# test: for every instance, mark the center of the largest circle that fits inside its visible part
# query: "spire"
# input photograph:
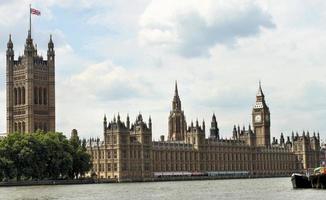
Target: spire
(150, 122)
(10, 48)
(29, 47)
(104, 122)
(128, 121)
(203, 125)
(10, 45)
(176, 103)
(214, 131)
(118, 117)
(50, 44)
(260, 91)
(176, 89)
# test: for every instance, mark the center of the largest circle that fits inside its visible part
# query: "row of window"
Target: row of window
(21, 126)
(222, 167)
(40, 96)
(219, 156)
(41, 126)
(109, 166)
(124, 167)
(114, 154)
(112, 139)
(19, 95)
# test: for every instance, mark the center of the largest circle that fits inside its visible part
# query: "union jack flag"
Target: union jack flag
(35, 12)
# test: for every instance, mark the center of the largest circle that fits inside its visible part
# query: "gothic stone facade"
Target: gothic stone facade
(30, 89)
(128, 153)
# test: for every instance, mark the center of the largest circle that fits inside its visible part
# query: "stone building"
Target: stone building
(128, 152)
(30, 88)
(125, 152)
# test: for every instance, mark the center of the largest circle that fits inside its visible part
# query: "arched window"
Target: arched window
(23, 95)
(40, 96)
(23, 127)
(19, 96)
(35, 96)
(15, 126)
(19, 127)
(45, 97)
(15, 96)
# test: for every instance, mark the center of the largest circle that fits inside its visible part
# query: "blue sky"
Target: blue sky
(120, 56)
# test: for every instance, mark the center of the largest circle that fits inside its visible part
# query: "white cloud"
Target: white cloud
(191, 28)
(105, 81)
(108, 71)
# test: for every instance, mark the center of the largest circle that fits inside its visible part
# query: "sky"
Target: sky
(122, 56)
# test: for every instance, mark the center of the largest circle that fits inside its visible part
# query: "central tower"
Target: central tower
(30, 89)
(177, 120)
(261, 120)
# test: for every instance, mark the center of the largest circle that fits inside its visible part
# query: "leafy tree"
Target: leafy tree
(42, 155)
(81, 159)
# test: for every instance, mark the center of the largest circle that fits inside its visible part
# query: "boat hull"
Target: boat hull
(300, 181)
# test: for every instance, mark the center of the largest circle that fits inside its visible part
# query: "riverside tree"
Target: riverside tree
(39, 156)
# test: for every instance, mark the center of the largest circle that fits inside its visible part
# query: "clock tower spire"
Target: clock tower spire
(261, 119)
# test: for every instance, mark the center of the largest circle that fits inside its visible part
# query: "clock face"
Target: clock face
(258, 118)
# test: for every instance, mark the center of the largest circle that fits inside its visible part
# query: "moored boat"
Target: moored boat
(300, 181)
(318, 178)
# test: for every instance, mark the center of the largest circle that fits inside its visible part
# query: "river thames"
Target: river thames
(265, 188)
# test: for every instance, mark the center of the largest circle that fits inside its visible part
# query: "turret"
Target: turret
(292, 137)
(204, 127)
(74, 134)
(51, 53)
(10, 49)
(128, 121)
(239, 131)
(282, 139)
(177, 120)
(176, 103)
(214, 131)
(234, 132)
(29, 46)
(150, 122)
(105, 122)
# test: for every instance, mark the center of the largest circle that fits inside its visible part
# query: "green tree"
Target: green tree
(81, 159)
(42, 155)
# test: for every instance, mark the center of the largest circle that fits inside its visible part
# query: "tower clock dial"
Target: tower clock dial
(258, 118)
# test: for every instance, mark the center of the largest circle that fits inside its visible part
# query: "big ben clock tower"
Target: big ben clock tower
(261, 120)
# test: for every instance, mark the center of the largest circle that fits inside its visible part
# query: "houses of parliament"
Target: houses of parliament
(127, 151)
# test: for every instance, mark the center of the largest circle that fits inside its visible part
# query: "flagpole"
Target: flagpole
(30, 19)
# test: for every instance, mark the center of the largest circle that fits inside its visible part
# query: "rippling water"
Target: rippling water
(267, 188)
